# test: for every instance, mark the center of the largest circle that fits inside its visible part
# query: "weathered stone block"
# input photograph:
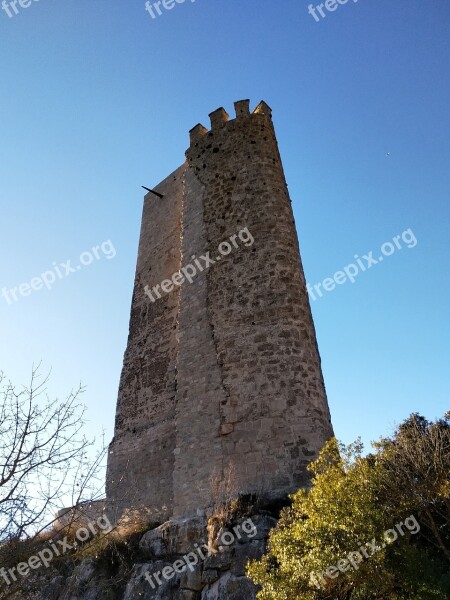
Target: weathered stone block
(140, 587)
(87, 582)
(53, 589)
(192, 579)
(210, 576)
(263, 524)
(174, 537)
(221, 560)
(187, 595)
(245, 552)
(230, 587)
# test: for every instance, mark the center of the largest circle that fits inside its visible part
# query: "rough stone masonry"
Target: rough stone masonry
(221, 383)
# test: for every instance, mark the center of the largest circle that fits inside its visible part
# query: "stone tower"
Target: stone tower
(222, 382)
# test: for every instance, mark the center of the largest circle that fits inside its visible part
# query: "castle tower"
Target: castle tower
(222, 383)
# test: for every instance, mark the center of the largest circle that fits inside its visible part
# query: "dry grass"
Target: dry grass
(229, 504)
(114, 553)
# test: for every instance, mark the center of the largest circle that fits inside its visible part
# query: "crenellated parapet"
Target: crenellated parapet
(219, 119)
(197, 133)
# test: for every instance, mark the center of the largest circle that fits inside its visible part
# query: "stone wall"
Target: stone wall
(141, 455)
(222, 389)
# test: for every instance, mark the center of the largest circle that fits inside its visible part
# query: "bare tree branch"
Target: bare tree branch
(45, 460)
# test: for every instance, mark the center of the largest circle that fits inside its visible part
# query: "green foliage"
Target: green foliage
(353, 501)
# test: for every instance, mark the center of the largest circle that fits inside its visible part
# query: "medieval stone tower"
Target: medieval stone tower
(221, 383)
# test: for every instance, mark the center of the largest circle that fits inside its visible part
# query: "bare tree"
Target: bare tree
(45, 459)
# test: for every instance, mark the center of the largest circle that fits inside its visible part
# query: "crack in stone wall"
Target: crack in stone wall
(199, 449)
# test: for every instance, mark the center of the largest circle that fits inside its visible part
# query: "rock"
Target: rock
(84, 572)
(187, 595)
(53, 590)
(254, 528)
(87, 582)
(192, 580)
(188, 533)
(174, 537)
(245, 552)
(209, 576)
(152, 587)
(218, 573)
(230, 587)
(100, 592)
(217, 590)
(156, 543)
(222, 560)
(239, 588)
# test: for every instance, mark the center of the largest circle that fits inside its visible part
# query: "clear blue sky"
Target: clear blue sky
(97, 100)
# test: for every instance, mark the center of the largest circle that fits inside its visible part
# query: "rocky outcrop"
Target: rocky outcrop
(178, 560)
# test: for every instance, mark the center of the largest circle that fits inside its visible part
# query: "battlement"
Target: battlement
(219, 118)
